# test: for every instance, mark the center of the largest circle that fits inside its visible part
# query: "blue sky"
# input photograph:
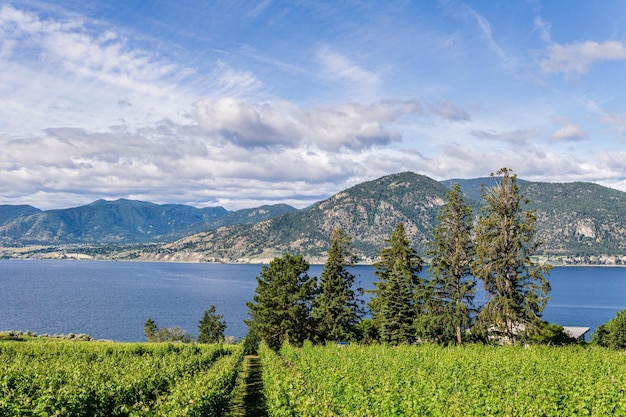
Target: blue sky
(244, 103)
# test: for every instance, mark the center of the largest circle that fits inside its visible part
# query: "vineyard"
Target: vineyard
(61, 378)
(58, 378)
(475, 380)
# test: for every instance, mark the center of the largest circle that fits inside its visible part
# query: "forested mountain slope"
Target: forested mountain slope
(120, 221)
(368, 212)
(580, 222)
(575, 220)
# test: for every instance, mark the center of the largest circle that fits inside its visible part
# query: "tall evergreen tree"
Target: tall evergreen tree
(516, 285)
(337, 309)
(211, 327)
(282, 302)
(453, 285)
(150, 329)
(397, 297)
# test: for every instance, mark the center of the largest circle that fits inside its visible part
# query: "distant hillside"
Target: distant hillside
(578, 223)
(582, 221)
(579, 219)
(368, 212)
(119, 222)
(9, 212)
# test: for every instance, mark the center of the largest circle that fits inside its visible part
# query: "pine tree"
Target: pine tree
(453, 286)
(150, 329)
(398, 294)
(337, 310)
(516, 285)
(282, 302)
(211, 327)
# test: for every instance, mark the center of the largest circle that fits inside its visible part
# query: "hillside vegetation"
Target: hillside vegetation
(119, 222)
(578, 223)
(367, 212)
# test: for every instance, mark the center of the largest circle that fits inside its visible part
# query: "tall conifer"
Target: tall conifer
(452, 251)
(211, 327)
(396, 298)
(337, 309)
(282, 302)
(517, 287)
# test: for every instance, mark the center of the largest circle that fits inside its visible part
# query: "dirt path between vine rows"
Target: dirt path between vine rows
(250, 401)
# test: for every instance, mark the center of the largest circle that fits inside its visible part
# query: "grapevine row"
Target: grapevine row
(108, 379)
(473, 380)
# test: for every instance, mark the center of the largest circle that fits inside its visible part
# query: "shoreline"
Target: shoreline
(55, 256)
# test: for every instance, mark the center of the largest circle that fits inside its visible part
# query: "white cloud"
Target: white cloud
(543, 28)
(485, 29)
(280, 123)
(569, 132)
(337, 67)
(516, 137)
(247, 124)
(452, 112)
(185, 164)
(577, 57)
(58, 71)
(70, 71)
(617, 120)
(231, 82)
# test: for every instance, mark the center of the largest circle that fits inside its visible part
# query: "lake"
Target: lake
(112, 300)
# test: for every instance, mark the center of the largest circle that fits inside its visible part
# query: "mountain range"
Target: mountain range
(578, 223)
(119, 222)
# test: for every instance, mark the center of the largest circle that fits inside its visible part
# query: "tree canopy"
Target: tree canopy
(282, 302)
(336, 308)
(612, 333)
(211, 327)
(516, 285)
(396, 298)
(452, 283)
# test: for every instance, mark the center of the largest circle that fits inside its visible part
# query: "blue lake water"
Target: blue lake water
(112, 300)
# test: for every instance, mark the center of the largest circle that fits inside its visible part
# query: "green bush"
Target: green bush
(551, 334)
(612, 333)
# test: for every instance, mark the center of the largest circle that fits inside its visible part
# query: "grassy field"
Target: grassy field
(473, 380)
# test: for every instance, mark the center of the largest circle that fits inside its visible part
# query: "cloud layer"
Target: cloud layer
(241, 105)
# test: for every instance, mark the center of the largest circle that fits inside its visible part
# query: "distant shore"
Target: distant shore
(43, 253)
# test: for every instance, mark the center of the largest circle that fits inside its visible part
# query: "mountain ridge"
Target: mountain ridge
(120, 221)
(578, 222)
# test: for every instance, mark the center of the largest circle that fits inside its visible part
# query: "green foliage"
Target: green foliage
(612, 333)
(366, 331)
(115, 379)
(149, 330)
(504, 242)
(282, 302)
(208, 394)
(211, 327)
(551, 334)
(165, 334)
(399, 293)
(452, 252)
(430, 380)
(251, 341)
(336, 308)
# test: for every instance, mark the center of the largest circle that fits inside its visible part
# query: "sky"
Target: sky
(244, 103)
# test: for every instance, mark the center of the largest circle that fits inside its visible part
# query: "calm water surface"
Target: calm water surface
(112, 300)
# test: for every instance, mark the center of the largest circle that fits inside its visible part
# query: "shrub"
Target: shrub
(612, 333)
(551, 334)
